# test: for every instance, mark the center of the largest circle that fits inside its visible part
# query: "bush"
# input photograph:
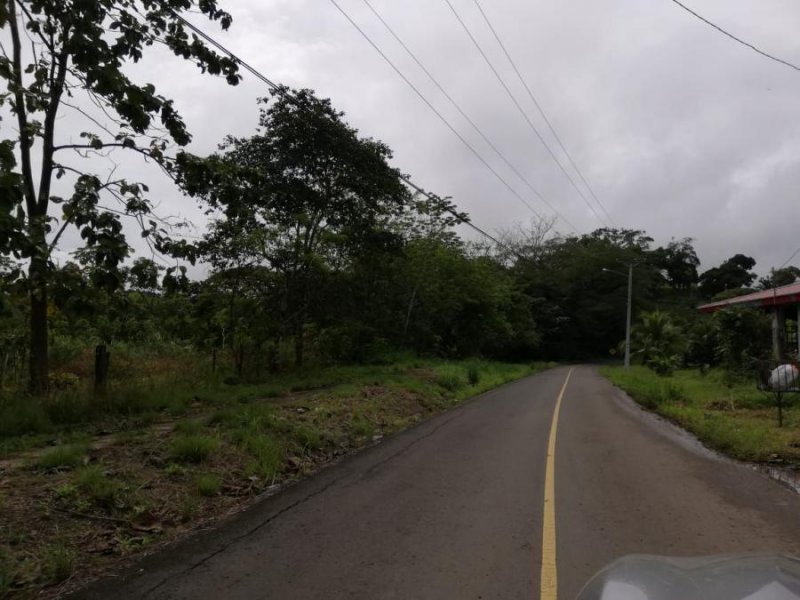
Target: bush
(267, 455)
(308, 436)
(207, 484)
(362, 427)
(192, 448)
(94, 483)
(24, 415)
(664, 365)
(450, 378)
(62, 456)
(744, 334)
(59, 563)
(473, 375)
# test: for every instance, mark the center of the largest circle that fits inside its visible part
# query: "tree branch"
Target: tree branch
(22, 115)
(56, 89)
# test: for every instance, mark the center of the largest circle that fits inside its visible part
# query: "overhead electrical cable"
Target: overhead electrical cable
(541, 111)
(522, 110)
(733, 37)
(790, 259)
(275, 87)
(491, 144)
(436, 112)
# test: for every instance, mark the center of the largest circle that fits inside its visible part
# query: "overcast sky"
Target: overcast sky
(680, 130)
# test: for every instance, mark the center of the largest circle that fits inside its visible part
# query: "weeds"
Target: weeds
(361, 427)
(207, 484)
(62, 456)
(192, 448)
(450, 378)
(730, 417)
(96, 485)
(59, 563)
(473, 375)
(266, 455)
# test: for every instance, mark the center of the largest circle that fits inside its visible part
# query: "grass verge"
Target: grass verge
(732, 417)
(85, 501)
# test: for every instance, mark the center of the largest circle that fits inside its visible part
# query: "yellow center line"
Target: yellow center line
(549, 577)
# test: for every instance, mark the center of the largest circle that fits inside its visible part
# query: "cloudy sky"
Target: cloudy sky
(679, 130)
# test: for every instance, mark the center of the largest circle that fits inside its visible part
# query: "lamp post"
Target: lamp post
(628, 316)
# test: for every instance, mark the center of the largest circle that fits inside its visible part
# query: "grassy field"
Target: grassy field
(732, 417)
(90, 487)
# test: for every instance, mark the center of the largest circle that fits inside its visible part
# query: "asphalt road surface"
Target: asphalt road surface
(459, 507)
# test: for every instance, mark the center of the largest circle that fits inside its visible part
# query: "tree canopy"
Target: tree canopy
(63, 55)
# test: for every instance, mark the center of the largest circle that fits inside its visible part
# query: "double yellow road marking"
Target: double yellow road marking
(549, 576)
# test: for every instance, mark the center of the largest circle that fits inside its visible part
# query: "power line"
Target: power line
(272, 85)
(275, 87)
(436, 112)
(466, 116)
(790, 259)
(460, 219)
(521, 110)
(733, 37)
(541, 111)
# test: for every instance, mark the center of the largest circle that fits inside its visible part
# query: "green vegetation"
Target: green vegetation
(729, 416)
(207, 484)
(59, 563)
(334, 305)
(157, 476)
(96, 485)
(192, 448)
(62, 456)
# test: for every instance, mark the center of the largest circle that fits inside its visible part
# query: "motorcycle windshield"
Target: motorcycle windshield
(640, 577)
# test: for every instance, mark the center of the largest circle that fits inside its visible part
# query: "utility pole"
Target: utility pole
(628, 315)
(628, 322)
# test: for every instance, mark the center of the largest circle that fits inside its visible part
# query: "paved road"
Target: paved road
(454, 508)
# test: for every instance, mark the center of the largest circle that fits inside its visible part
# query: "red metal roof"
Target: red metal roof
(787, 294)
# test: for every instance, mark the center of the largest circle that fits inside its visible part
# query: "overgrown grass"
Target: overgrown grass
(170, 474)
(59, 563)
(192, 448)
(96, 485)
(732, 417)
(71, 455)
(207, 484)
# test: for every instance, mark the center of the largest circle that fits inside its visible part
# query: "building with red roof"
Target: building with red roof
(783, 303)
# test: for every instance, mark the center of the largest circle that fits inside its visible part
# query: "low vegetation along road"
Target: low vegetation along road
(522, 493)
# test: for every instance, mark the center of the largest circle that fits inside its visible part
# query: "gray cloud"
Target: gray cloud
(681, 131)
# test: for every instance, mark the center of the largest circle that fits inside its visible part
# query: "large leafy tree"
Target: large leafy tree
(779, 277)
(732, 274)
(302, 198)
(70, 55)
(679, 263)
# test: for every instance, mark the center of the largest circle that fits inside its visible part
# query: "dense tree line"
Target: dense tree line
(315, 250)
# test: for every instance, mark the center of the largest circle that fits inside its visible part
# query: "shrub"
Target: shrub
(59, 562)
(473, 375)
(450, 379)
(93, 482)
(308, 436)
(362, 427)
(62, 456)
(267, 455)
(192, 448)
(207, 484)
(68, 407)
(664, 365)
(24, 415)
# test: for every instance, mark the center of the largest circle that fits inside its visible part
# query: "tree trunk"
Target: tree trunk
(38, 364)
(102, 361)
(299, 345)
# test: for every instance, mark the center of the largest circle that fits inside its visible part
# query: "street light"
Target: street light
(628, 321)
